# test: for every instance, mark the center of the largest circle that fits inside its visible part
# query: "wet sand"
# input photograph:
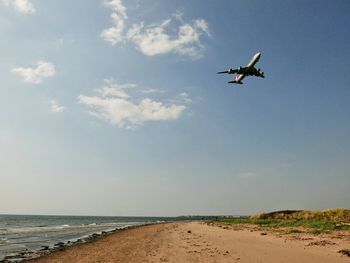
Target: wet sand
(202, 242)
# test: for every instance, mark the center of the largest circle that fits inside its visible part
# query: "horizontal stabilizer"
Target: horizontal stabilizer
(235, 82)
(222, 72)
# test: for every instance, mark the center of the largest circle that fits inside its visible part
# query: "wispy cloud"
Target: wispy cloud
(114, 34)
(156, 39)
(112, 89)
(178, 15)
(61, 42)
(56, 107)
(185, 97)
(202, 25)
(152, 90)
(117, 107)
(21, 6)
(182, 98)
(35, 75)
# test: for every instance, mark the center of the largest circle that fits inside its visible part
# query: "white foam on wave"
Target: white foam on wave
(15, 230)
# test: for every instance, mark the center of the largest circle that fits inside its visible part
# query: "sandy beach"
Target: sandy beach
(202, 242)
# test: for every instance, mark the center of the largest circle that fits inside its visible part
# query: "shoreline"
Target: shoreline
(29, 255)
(202, 242)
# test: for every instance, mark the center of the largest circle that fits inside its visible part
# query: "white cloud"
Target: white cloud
(36, 74)
(21, 6)
(155, 39)
(117, 6)
(124, 112)
(114, 34)
(56, 107)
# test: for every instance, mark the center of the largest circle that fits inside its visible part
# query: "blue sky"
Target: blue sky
(115, 107)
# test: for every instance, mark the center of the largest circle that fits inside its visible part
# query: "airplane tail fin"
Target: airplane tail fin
(237, 80)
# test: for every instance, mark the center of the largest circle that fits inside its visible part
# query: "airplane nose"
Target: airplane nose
(258, 55)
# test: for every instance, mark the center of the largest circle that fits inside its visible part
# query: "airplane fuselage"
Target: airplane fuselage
(254, 60)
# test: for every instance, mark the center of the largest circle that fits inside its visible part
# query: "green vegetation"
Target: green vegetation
(291, 221)
(333, 215)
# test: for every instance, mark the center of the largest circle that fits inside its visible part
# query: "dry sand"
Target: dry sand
(201, 242)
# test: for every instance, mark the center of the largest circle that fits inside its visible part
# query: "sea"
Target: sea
(30, 233)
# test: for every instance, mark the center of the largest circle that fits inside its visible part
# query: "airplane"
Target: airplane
(248, 70)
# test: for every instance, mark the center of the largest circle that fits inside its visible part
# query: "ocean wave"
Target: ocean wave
(3, 231)
(66, 227)
(3, 240)
(35, 229)
(20, 233)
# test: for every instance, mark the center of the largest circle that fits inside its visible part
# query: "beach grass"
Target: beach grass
(296, 221)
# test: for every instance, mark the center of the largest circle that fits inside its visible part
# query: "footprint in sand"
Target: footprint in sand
(163, 259)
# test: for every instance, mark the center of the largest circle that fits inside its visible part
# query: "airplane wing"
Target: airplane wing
(240, 70)
(238, 79)
(257, 72)
(230, 71)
